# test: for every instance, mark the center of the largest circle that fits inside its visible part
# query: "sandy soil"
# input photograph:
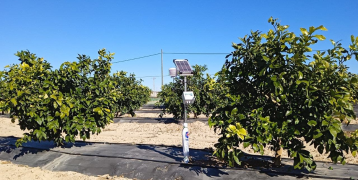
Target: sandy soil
(201, 136)
(21, 172)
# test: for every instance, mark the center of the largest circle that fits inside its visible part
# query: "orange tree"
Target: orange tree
(171, 94)
(3, 94)
(78, 99)
(134, 94)
(277, 98)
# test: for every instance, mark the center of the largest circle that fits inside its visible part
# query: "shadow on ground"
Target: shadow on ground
(7, 144)
(202, 162)
(151, 161)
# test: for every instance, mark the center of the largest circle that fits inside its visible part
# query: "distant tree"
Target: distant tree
(171, 94)
(133, 93)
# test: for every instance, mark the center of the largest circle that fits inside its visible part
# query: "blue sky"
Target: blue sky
(59, 30)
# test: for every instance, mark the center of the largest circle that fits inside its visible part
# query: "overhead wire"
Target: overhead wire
(189, 53)
(151, 76)
(199, 53)
(137, 58)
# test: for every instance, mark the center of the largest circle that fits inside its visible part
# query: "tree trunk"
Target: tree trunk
(2, 113)
(279, 149)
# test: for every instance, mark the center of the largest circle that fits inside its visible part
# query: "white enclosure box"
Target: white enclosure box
(173, 72)
(188, 97)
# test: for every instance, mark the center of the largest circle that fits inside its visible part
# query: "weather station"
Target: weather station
(183, 69)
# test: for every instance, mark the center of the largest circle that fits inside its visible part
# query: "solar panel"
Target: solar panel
(183, 67)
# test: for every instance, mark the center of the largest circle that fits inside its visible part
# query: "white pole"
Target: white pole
(153, 84)
(162, 65)
(185, 133)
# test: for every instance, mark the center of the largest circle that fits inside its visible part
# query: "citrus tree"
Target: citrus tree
(134, 94)
(281, 94)
(171, 94)
(3, 94)
(170, 98)
(78, 99)
(216, 91)
(353, 87)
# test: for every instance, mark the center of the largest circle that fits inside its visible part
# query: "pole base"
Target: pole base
(186, 160)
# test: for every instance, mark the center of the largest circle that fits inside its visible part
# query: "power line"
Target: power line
(188, 53)
(137, 58)
(151, 76)
(195, 53)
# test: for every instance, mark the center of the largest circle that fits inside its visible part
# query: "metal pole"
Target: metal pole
(162, 65)
(184, 103)
(153, 84)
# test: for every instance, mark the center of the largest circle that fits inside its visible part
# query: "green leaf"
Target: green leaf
(211, 123)
(55, 105)
(300, 75)
(261, 149)
(53, 96)
(311, 30)
(333, 131)
(246, 144)
(241, 117)
(333, 42)
(266, 58)
(255, 147)
(317, 135)
(237, 160)
(294, 154)
(312, 123)
(302, 81)
(234, 112)
(19, 93)
(304, 31)
(320, 37)
(289, 112)
(96, 109)
(62, 115)
(354, 153)
(241, 133)
(13, 101)
(232, 128)
(39, 120)
(354, 80)
(321, 27)
(67, 138)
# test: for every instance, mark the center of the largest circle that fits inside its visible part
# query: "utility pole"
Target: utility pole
(153, 84)
(162, 66)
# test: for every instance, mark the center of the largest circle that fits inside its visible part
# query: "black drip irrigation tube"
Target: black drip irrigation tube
(267, 171)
